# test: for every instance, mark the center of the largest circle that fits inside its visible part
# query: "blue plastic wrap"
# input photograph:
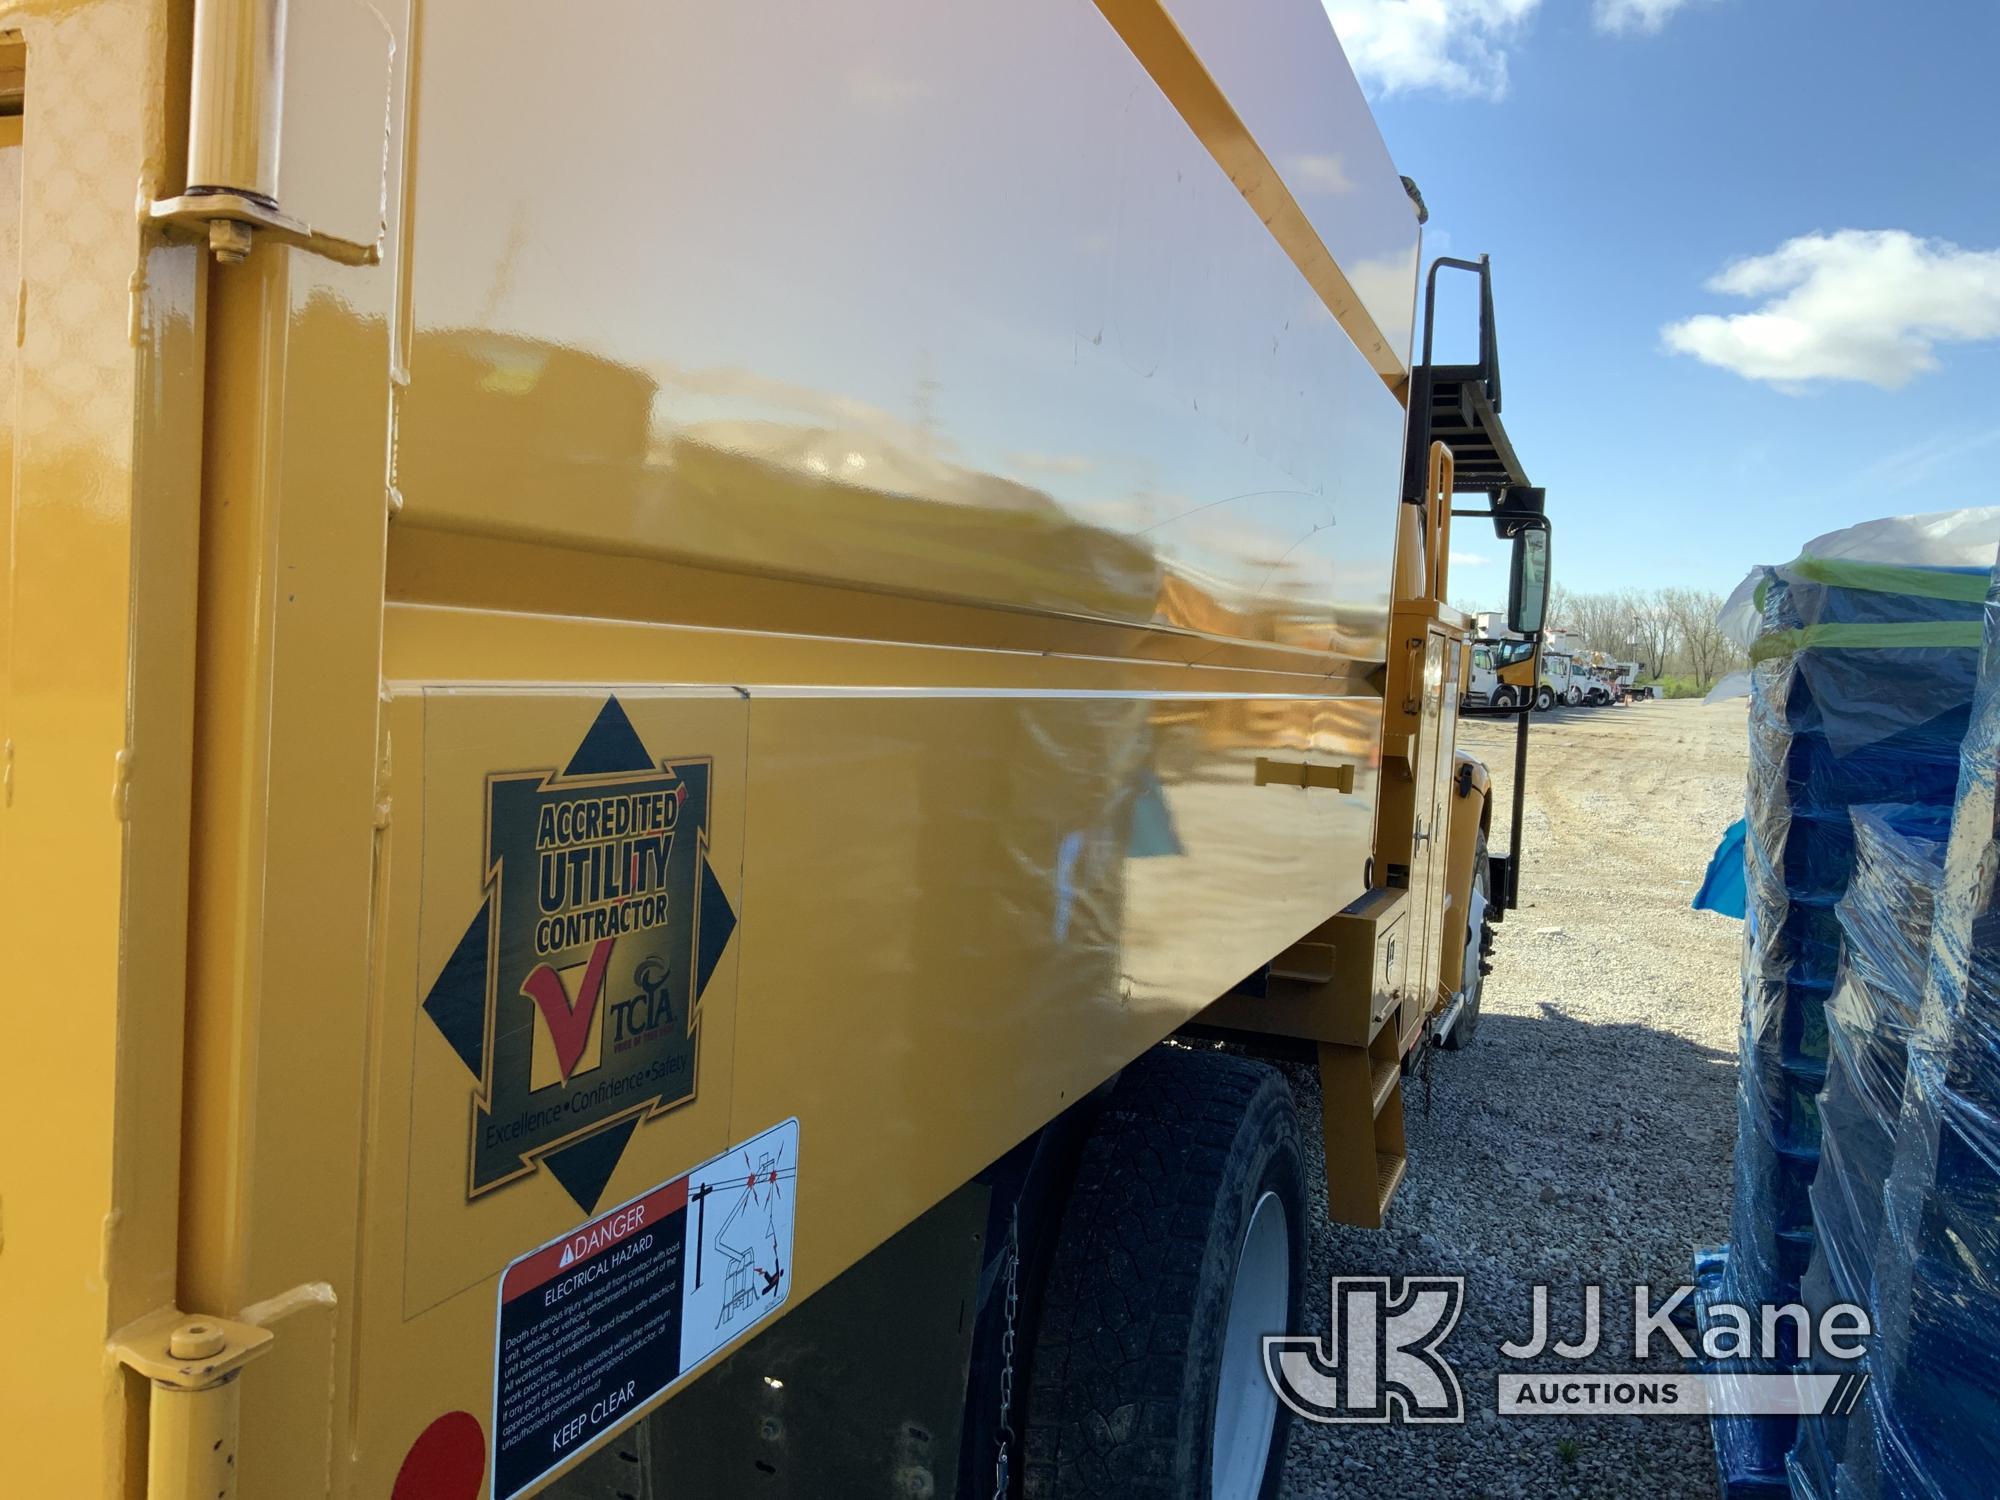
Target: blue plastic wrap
(1885, 921)
(1861, 688)
(1860, 696)
(1722, 888)
(1933, 1428)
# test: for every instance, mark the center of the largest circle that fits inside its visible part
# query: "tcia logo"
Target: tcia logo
(1380, 1362)
(576, 1025)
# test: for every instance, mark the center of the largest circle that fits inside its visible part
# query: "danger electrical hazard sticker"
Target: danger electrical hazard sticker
(595, 1324)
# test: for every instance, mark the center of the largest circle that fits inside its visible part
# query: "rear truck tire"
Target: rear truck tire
(1545, 699)
(1476, 946)
(1181, 1245)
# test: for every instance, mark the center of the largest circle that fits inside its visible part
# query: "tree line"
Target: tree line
(1671, 632)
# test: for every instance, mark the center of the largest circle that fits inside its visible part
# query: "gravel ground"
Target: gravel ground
(1585, 1136)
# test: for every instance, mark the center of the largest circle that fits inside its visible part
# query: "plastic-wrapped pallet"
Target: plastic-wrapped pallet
(1885, 924)
(1864, 655)
(1934, 1412)
(1861, 694)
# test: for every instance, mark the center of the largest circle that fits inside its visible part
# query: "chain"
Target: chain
(1001, 1465)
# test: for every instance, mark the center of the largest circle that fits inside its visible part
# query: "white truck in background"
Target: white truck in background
(1629, 673)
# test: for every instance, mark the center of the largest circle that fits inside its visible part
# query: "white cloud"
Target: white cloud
(1468, 559)
(1858, 304)
(1454, 46)
(1387, 287)
(1621, 17)
(1318, 173)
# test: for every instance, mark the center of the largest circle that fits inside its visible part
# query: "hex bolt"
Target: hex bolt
(229, 240)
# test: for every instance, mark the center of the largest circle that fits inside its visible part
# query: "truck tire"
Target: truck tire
(1461, 1033)
(1545, 699)
(1181, 1245)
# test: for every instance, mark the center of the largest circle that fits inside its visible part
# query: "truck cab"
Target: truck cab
(1503, 674)
(1558, 683)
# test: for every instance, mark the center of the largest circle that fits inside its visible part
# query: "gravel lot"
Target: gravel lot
(1585, 1136)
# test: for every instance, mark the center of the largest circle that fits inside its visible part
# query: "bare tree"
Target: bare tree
(1703, 650)
(1599, 621)
(1665, 630)
(1650, 630)
(1556, 613)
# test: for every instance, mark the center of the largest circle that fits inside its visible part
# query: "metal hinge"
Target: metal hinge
(192, 1363)
(229, 222)
(236, 118)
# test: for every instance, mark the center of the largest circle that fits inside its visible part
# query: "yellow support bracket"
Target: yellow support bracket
(1303, 774)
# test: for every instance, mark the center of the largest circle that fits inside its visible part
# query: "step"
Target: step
(1388, 1177)
(1382, 1083)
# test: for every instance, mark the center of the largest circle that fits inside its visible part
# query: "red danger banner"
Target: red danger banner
(593, 1239)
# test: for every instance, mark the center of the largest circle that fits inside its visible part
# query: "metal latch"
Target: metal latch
(192, 1363)
(1304, 773)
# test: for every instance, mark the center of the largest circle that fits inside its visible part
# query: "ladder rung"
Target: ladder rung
(1382, 1083)
(1388, 1177)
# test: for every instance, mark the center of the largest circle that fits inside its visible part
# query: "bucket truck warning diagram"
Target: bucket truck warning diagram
(592, 1326)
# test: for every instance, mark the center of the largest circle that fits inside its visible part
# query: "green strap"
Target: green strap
(1957, 635)
(1890, 578)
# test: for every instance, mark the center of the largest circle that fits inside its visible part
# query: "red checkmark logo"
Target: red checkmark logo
(569, 1021)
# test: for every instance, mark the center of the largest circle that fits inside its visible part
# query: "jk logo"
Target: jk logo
(1380, 1363)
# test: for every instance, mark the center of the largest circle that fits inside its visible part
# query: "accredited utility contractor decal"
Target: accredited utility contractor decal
(594, 1325)
(574, 995)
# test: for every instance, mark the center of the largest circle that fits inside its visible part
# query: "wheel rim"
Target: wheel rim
(1471, 981)
(1245, 1405)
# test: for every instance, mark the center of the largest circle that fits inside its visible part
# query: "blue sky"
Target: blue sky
(1617, 157)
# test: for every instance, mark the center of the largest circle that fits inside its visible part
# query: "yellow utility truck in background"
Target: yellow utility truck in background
(686, 689)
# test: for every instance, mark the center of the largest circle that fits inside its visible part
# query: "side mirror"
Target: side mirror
(1528, 585)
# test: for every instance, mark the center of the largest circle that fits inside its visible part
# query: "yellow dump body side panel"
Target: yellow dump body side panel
(856, 310)
(1070, 501)
(939, 490)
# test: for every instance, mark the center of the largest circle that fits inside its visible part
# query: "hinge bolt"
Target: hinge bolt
(196, 1341)
(229, 240)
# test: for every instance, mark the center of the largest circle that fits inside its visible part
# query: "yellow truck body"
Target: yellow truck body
(889, 513)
